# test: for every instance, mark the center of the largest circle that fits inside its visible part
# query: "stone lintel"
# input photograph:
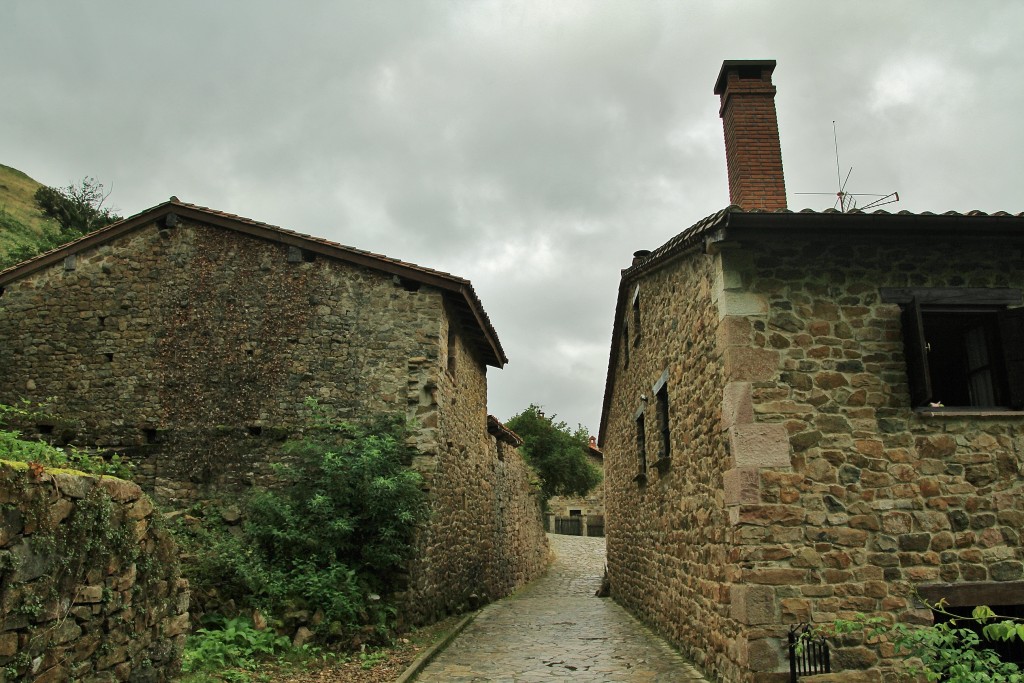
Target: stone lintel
(759, 445)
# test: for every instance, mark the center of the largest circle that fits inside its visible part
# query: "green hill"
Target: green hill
(21, 223)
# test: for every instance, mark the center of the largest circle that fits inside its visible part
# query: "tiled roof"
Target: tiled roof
(460, 290)
(498, 430)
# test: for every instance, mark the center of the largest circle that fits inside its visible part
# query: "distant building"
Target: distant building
(810, 415)
(580, 516)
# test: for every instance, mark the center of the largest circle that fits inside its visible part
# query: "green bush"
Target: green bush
(14, 447)
(946, 651)
(332, 537)
(231, 644)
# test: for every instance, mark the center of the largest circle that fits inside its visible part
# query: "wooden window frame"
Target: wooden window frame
(1007, 345)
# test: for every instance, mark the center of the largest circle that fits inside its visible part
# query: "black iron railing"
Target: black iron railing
(808, 655)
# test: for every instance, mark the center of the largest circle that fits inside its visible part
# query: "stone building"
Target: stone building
(583, 516)
(813, 414)
(190, 340)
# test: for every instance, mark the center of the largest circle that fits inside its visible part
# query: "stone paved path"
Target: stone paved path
(555, 628)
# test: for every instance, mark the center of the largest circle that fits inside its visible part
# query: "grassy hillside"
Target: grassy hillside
(21, 223)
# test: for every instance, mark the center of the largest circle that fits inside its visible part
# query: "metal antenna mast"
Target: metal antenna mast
(845, 201)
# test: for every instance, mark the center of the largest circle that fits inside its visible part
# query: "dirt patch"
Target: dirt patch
(381, 665)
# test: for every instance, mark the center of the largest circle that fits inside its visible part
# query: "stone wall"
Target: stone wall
(193, 349)
(856, 501)
(486, 535)
(89, 584)
(669, 537)
(803, 486)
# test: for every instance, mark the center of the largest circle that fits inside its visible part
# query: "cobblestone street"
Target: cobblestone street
(555, 628)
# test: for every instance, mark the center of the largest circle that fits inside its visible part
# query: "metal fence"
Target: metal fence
(807, 655)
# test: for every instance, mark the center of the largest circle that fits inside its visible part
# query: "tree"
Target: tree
(77, 208)
(558, 454)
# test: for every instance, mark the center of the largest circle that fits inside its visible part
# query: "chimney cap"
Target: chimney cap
(736, 64)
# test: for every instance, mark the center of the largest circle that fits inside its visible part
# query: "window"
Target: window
(660, 390)
(663, 429)
(964, 348)
(1006, 598)
(641, 448)
(1008, 651)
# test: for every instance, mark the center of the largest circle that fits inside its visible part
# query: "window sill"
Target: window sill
(952, 412)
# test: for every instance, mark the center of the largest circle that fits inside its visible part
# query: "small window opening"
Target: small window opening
(641, 446)
(406, 284)
(2, 290)
(44, 429)
(308, 256)
(109, 357)
(150, 434)
(575, 513)
(102, 319)
(665, 450)
(249, 352)
(1008, 651)
(255, 430)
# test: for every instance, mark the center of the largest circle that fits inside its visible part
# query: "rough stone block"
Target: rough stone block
(750, 364)
(764, 654)
(737, 406)
(742, 486)
(733, 330)
(759, 445)
(742, 303)
(753, 604)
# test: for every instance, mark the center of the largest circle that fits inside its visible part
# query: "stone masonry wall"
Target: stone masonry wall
(669, 553)
(89, 585)
(192, 350)
(486, 535)
(842, 498)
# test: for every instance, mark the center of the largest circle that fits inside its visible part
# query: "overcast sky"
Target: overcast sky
(529, 146)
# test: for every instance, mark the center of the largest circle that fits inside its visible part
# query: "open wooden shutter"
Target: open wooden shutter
(1011, 327)
(916, 350)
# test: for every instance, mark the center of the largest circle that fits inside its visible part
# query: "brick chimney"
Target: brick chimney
(752, 150)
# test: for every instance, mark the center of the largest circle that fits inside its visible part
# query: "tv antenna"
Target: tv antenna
(847, 201)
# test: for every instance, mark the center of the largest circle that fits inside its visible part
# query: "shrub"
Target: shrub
(946, 651)
(14, 447)
(334, 536)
